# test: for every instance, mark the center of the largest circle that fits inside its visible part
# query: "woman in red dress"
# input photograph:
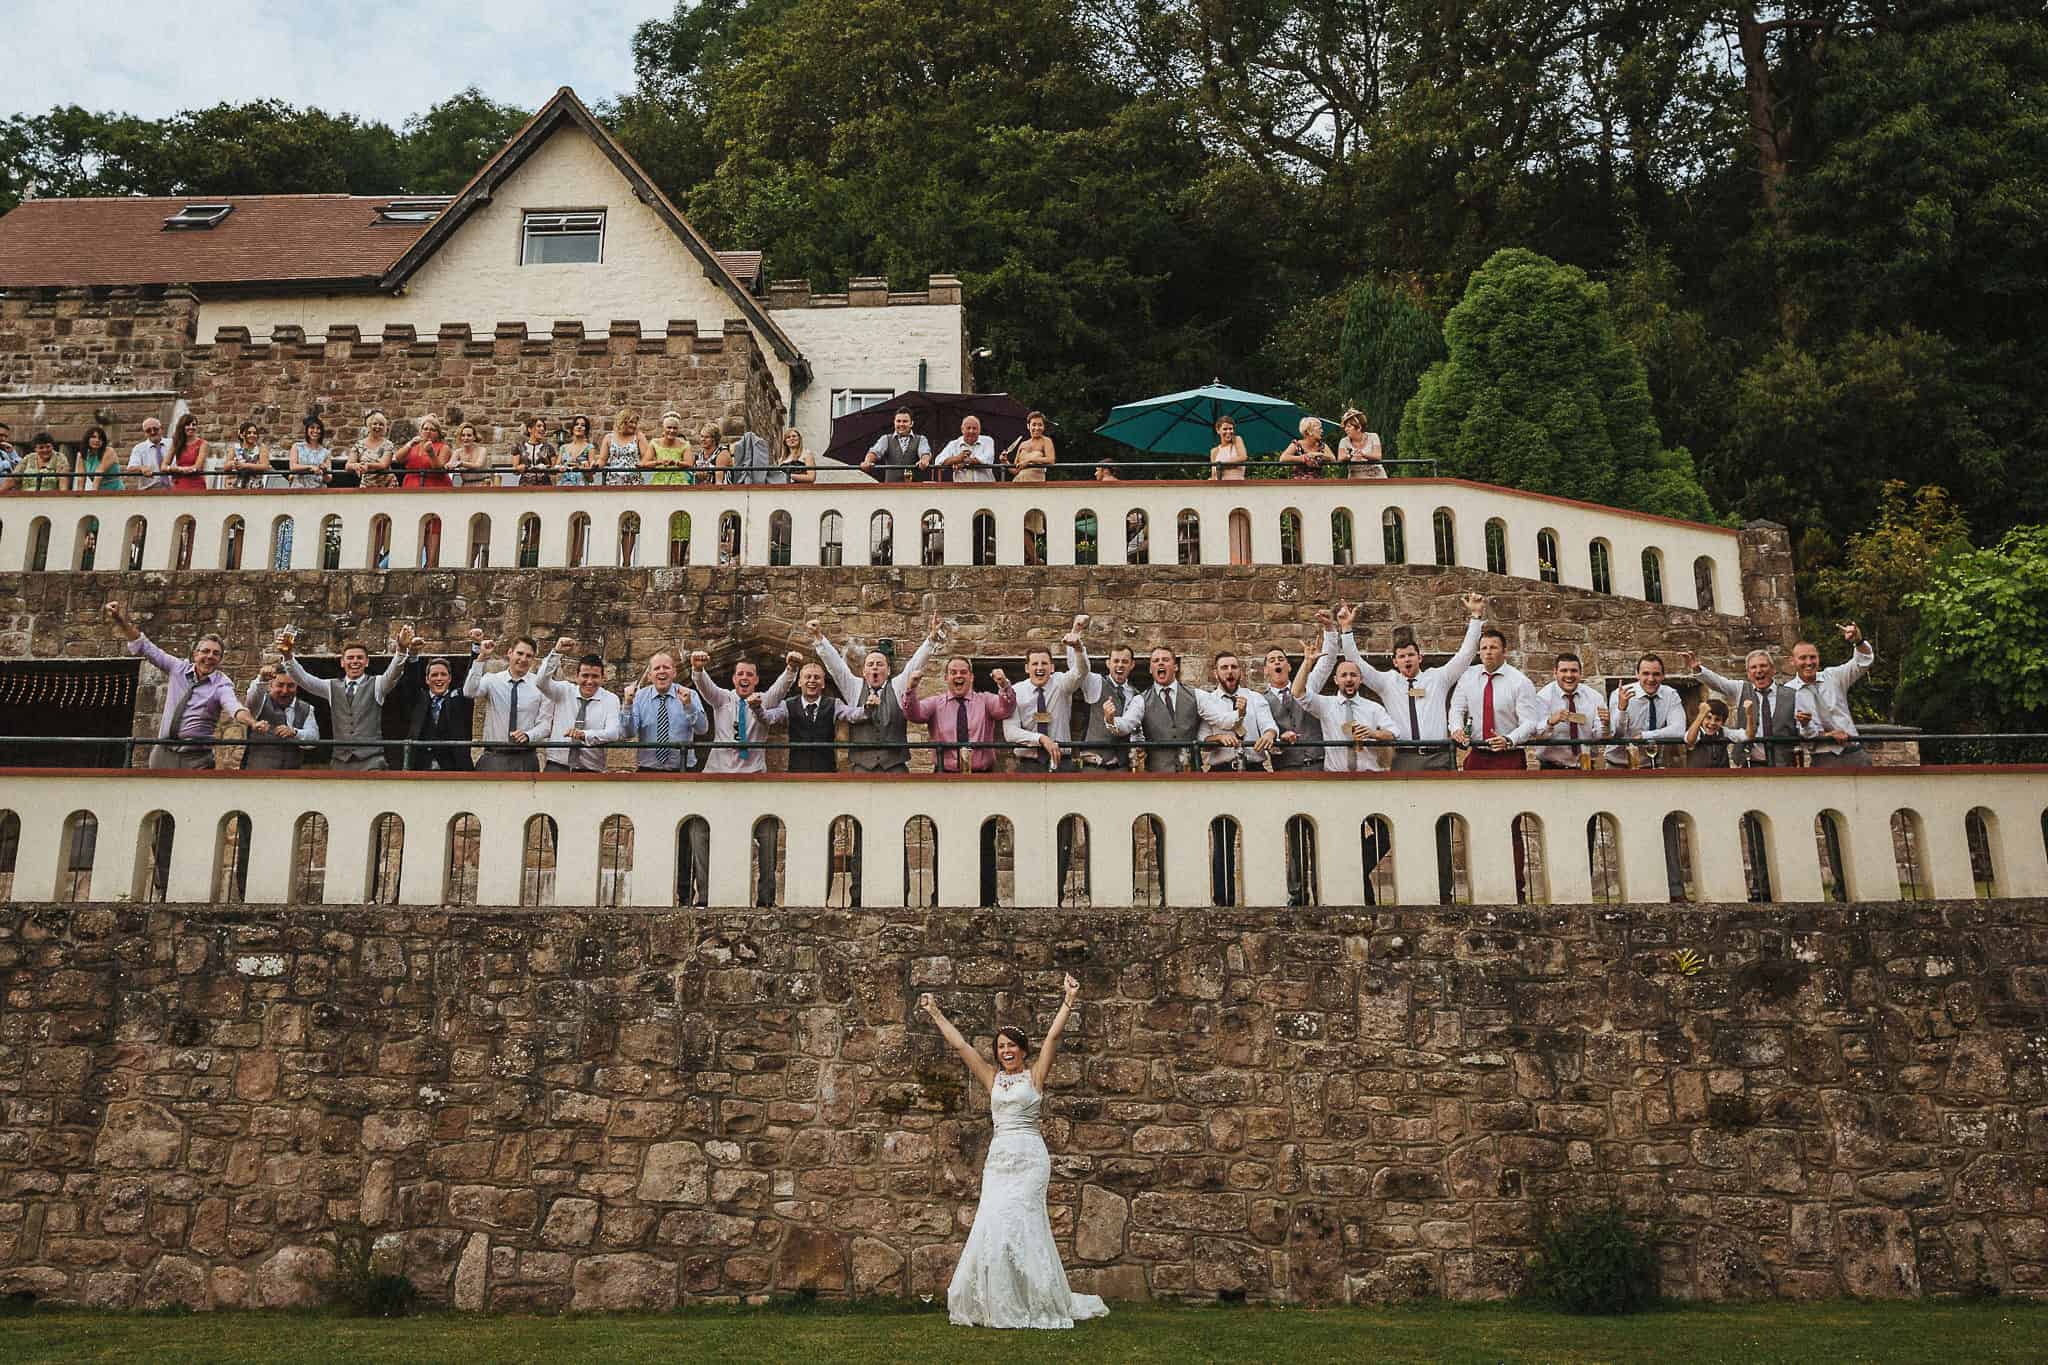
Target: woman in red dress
(425, 458)
(188, 456)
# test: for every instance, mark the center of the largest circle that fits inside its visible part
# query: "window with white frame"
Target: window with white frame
(569, 238)
(853, 400)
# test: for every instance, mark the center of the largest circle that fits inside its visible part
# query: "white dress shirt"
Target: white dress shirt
(724, 707)
(1826, 698)
(530, 715)
(601, 723)
(981, 462)
(1219, 716)
(1648, 718)
(146, 462)
(1514, 706)
(1584, 701)
(1215, 715)
(853, 689)
(1054, 701)
(323, 688)
(1339, 712)
(1435, 684)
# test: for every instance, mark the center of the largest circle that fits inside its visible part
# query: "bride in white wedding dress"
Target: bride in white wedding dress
(1009, 1273)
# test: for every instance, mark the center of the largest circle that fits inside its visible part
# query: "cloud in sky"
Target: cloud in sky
(376, 59)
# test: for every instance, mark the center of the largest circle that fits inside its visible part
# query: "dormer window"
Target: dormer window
(563, 238)
(424, 209)
(197, 216)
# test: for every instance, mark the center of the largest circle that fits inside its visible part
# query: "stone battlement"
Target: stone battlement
(864, 292)
(345, 341)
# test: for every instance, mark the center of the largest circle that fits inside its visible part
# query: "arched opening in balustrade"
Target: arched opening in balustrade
(579, 540)
(1375, 843)
(881, 538)
(1603, 858)
(1290, 536)
(1087, 546)
(1343, 548)
(85, 546)
(1980, 828)
(781, 534)
(309, 859)
(234, 535)
(1602, 556)
(330, 542)
(1226, 861)
(1304, 878)
(693, 861)
(10, 850)
(380, 542)
(1703, 582)
(80, 849)
(1187, 537)
(1532, 866)
(1909, 853)
(1756, 858)
(628, 546)
(155, 840)
(831, 540)
(1148, 861)
(920, 862)
(459, 886)
(231, 859)
(678, 540)
(998, 867)
(136, 539)
(537, 848)
(931, 549)
(1453, 860)
(1547, 560)
(1137, 537)
(527, 539)
(984, 527)
(842, 864)
(1034, 537)
(1827, 847)
(1071, 839)
(615, 861)
(430, 542)
(39, 544)
(1393, 536)
(732, 547)
(1679, 863)
(479, 553)
(1653, 575)
(184, 533)
(1444, 529)
(1496, 545)
(766, 866)
(387, 859)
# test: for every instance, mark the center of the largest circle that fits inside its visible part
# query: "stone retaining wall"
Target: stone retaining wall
(547, 1111)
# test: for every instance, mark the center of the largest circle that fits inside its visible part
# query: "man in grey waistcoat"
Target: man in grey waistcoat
(283, 723)
(1759, 704)
(1107, 697)
(355, 701)
(884, 722)
(1168, 712)
(899, 454)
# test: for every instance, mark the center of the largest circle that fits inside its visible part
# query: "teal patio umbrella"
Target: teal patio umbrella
(1184, 423)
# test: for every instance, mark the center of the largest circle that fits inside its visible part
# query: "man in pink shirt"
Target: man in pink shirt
(199, 693)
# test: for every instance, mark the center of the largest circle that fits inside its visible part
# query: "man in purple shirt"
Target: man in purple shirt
(962, 716)
(199, 693)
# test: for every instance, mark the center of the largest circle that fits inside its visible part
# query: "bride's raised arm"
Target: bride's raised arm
(976, 1063)
(1043, 1065)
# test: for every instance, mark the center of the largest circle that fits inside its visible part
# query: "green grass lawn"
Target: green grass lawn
(1812, 1334)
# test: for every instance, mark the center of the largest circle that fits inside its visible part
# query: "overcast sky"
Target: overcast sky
(382, 59)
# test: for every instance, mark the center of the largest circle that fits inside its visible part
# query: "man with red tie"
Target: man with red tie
(1494, 709)
(1572, 709)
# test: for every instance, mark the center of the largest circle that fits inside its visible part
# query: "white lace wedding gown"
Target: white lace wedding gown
(1009, 1273)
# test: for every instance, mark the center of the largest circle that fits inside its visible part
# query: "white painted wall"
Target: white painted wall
(872, 348)
(1786, 799)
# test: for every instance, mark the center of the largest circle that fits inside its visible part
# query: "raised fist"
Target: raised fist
(1000, 678)
(812, 628)
(565, 645)
(793, 660)
(699, 660)
(1475, 603)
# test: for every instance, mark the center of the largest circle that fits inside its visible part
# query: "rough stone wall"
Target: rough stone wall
(630, 1110)
(627, 614)
(492, 380)
(72, 357)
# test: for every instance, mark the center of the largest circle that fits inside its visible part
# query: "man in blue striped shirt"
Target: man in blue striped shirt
(659, 712)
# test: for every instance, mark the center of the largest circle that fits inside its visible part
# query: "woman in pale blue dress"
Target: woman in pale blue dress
(1009, 1273)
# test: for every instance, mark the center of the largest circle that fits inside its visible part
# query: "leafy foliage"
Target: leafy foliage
(1390, 340)
(357, 1282)
(1978, 655)
(1592, 1261)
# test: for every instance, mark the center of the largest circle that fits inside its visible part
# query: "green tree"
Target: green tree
(442, 148)
(1299, 359)
(1977, 657)
(1389, 342)
(1539, 391)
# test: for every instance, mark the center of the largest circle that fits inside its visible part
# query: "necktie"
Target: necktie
(661, 717)
(739, 727)
(1571, 704)
(1652, 699)
(582, 714)
(512, 720)
(349, 688)
(1414, 721)
(174, 730)
(1038, 709)
(434, 713)
(811, 713)
(1350, 714)
(964, 761)
(1486, 708)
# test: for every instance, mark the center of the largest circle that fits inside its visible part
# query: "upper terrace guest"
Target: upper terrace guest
(1307, 457)
(10, 460)
(1228, 456)
(198, 696)
(283, 723)
(1822, 706)
(623, 445)
(369, 460)
(516, 712)
(147, 460)
(668, 458)
(96, 466)
(355, 701)
(578, 455)
(793, 461)
(709, 458)
(1033, 455)
(187, 461)
(469, 463)
(248, 460)
(44, 469)
(1105, 471)
(897, 456)
(969, 457)
(535, 456)
(1358, 452)
(425, 457)
(746, 458)
(310, 458)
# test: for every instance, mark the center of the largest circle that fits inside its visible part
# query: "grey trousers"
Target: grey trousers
(1857, 757)
(164, 756)
(508, 761)
(361, 763)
